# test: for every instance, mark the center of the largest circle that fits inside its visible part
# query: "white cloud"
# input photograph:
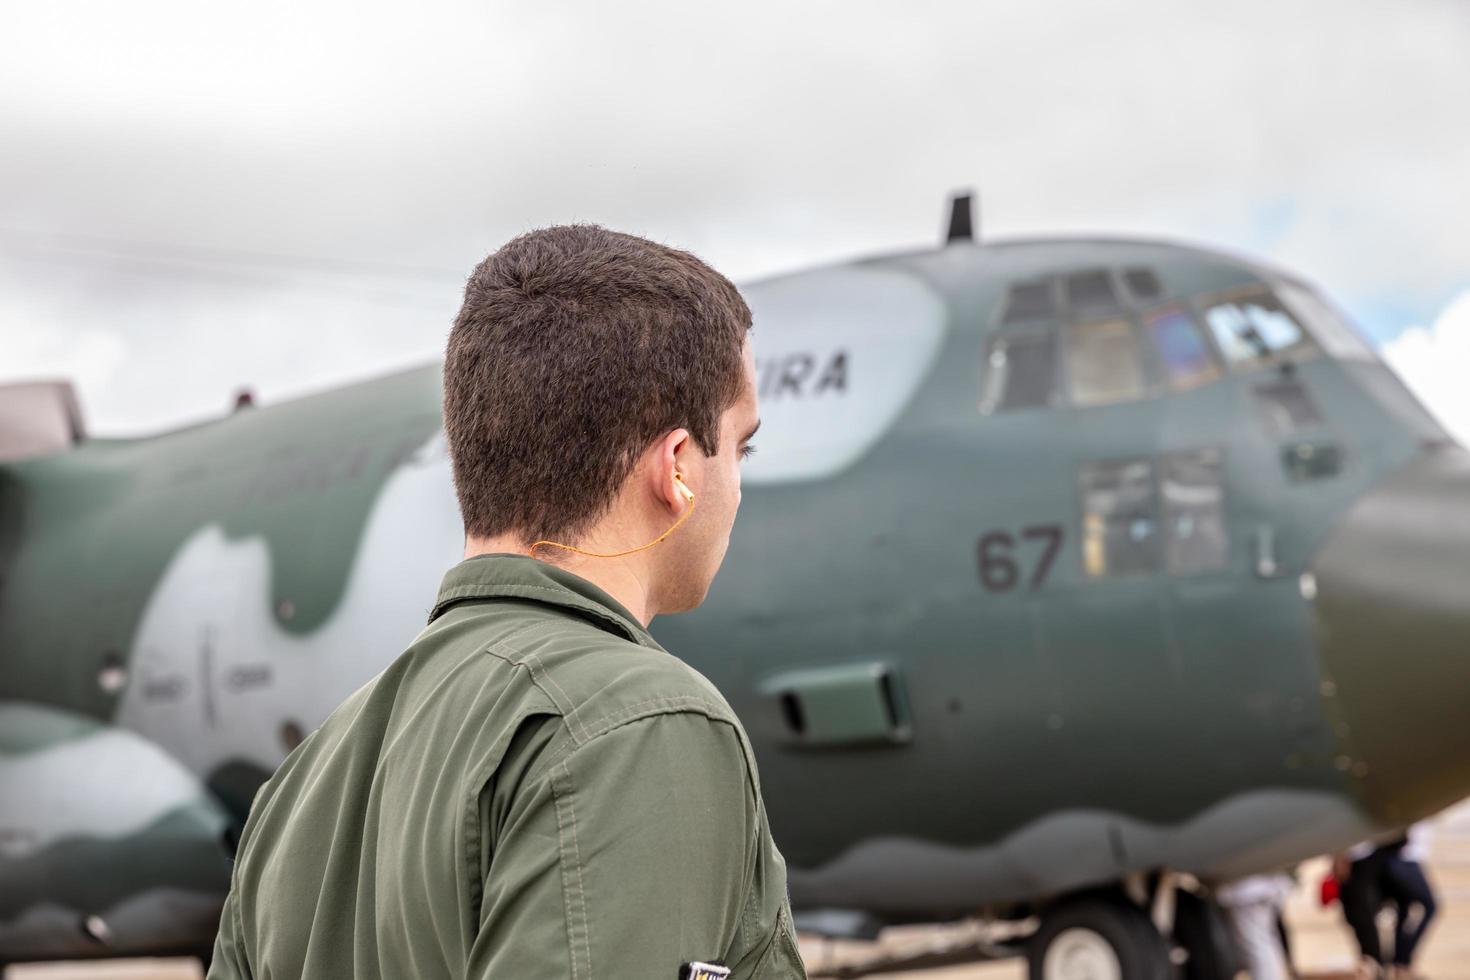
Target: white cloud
(1435, 362)
(193, 341)
(765, 136)
(89, 357)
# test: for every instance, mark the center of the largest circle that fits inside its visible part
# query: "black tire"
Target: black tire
(1137, 947)
(1199, 927)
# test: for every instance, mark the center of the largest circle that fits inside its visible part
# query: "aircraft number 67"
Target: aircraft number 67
(1001, 568)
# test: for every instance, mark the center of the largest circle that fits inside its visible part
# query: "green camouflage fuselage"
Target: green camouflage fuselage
(986, 654)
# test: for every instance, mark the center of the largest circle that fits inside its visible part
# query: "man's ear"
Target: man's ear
(672, 454)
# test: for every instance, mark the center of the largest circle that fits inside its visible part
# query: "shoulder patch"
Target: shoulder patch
(703, 971)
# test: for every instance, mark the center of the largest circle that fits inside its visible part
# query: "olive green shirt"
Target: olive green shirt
(534, 789)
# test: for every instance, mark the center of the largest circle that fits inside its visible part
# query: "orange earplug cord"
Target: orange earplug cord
(688, 495)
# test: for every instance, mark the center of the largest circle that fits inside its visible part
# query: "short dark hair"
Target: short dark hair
(575, 348)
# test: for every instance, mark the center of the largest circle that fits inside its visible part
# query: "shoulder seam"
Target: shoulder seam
(571, 711)
(650, 708)
(502, 648)
(540, 676)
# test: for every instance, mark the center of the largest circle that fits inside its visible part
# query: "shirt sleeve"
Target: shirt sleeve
(635, 854)
(228, 961)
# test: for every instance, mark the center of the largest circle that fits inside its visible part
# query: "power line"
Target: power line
(97, 248)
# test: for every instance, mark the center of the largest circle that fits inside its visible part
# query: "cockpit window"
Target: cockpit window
(1090, 293)
(1331, 329)
(1253, 328)
(1143, 284)
(1182, 349)
(1093, 323)
(1103, 363)
(1020, 371)
(1028, 301)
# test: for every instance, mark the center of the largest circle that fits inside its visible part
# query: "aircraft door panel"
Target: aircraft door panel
(1245, 675)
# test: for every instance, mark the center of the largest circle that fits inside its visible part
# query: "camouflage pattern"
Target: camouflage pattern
(135, 837)
(939, 725)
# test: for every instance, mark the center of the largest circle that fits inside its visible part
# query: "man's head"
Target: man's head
(585, 368)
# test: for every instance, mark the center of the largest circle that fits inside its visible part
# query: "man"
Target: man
(536, 789)
(1374, 874)
(1253, 910)
(1408, 888)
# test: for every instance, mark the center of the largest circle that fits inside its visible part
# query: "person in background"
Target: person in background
(1360, 889)
(1392, 872)
(1404, 883)
(1253, 907)
(1282, 932)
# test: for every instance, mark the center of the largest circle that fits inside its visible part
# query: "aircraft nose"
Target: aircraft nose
(1393, 614)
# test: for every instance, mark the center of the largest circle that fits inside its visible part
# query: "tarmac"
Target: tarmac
(1322, 945)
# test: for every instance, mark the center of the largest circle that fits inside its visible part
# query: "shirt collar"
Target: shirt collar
(507, 576)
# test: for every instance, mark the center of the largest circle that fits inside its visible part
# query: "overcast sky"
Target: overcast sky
(199, 197)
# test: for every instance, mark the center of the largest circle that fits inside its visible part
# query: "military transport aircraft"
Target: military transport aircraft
(1073, 577)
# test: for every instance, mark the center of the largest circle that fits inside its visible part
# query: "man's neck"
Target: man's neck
(625, 579)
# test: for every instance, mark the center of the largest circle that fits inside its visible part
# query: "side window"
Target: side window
(1020, 371)
(1253, 328)
(1119, 517)
(1103, 363)
(1183, 351)
(1194, 512)
(1312, 461)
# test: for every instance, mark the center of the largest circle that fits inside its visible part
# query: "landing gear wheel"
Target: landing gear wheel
(1199, 927)
(1097, 939)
